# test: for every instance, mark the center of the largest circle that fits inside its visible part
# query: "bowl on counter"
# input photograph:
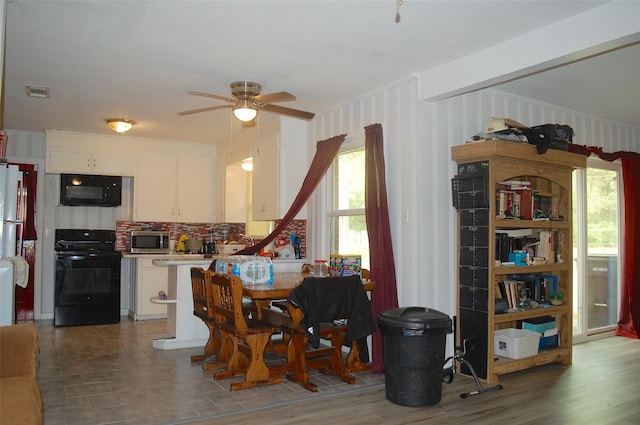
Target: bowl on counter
(192, 246)
(230, 248)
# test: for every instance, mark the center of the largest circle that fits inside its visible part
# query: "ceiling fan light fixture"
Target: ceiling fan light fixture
(120, 125)
(244, 111)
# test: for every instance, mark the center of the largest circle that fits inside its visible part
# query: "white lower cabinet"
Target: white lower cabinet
(149, 281)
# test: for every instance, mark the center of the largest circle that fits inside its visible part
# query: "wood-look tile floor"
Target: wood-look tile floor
(111, 374)
(601, 387)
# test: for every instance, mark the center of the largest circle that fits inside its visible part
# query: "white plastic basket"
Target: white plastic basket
(516, 343)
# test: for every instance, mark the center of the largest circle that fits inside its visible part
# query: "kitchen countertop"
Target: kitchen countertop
(279, 265)
(163, 256)
(185, 260)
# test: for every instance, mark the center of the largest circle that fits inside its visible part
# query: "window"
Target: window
(346, 215)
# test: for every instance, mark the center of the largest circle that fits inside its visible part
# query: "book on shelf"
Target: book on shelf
(551, 281)
(525, 203)
(541, 204)
(534, 286)
(514, 184)
(514, 202)
(515, 233)
(503, 246)
(548, 245)
(515, 292)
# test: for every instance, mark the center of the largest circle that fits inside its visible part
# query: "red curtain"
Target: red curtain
(383, 270)
(326, 150)
(629, 318)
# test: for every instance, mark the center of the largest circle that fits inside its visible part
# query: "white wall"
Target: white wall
(418, 137)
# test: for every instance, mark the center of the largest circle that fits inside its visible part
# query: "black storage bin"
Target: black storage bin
(414, 340)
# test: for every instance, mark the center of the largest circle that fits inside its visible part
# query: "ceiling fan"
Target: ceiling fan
(247, 101)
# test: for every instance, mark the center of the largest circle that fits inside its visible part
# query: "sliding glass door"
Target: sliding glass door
(597, 220)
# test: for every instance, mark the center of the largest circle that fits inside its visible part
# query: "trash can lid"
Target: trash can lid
(415, 318)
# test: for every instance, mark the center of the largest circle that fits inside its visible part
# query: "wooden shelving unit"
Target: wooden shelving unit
(490, 162)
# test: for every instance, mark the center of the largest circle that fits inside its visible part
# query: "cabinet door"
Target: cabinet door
(155, 187)
(265, 179)
(236, 196)
(195, 189)
(69, 162)
(113, 164)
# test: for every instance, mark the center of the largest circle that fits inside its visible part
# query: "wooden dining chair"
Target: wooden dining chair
(203, 309)
(323, 304)
(247, 338)
(354, 360)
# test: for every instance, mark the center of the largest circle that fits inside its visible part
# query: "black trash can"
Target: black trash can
(414, 340)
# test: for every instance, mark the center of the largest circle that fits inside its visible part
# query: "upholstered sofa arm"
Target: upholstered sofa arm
(18, 345)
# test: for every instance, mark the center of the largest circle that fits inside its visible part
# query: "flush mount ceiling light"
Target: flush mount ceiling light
(247, 164)
(244, 111)
(120, 125)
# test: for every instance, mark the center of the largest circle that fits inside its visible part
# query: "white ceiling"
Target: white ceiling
(137, 59)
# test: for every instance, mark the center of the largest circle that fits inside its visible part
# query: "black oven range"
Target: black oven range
(87, 280)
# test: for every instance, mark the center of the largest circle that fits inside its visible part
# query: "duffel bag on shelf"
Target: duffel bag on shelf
(554, 136)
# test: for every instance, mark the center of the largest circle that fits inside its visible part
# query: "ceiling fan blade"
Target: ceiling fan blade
(281, 96)
(288, 111)
(210, 108)
(213, 96)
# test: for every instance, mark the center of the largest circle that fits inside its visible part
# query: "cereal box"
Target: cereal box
(345, 265)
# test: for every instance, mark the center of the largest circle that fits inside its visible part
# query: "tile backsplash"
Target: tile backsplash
(207, 231)
(217, 232)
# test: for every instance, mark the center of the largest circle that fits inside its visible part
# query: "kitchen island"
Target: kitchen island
(187, 329)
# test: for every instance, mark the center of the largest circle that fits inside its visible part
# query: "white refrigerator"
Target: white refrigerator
(10, 234)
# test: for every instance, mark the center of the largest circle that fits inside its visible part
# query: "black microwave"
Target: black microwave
(93, 191)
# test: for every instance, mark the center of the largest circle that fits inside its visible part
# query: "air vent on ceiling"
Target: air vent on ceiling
(38, 91)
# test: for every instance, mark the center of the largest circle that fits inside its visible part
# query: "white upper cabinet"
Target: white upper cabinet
(280, 164)
(155, 186)
(88, 154)
(196, 188)
(175, 187)
(172, 181)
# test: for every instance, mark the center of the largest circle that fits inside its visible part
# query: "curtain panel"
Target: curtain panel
(383, 269)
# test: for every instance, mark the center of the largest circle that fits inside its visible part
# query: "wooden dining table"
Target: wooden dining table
(283, 283)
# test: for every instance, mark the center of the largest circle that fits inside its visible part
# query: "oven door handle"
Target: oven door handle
(73, 257)
(83, 257)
